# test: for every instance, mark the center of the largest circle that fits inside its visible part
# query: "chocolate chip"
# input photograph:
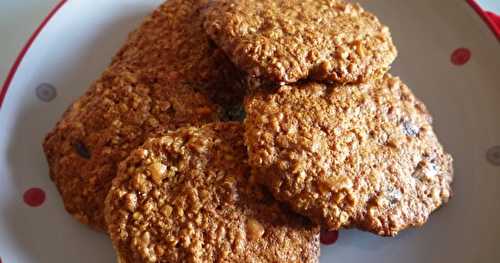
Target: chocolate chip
(82, 150)
(235, 113)
(211, 44)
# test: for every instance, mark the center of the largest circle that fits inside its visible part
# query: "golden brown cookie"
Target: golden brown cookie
(167, 75)
(188, 196)
(359, 156)
(290, 40)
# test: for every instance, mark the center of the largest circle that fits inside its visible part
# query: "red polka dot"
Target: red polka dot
(34, 197)
(460, 56)
(328, 237)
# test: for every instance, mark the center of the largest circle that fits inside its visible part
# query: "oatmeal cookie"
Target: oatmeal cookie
(188, 196)
(167, 75)
(361, 156)
(290, 40)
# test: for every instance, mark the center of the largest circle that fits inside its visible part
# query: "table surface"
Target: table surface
(18, 20)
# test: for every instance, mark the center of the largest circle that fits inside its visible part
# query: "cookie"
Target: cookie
(188, 196)
(361, 156)
(291, 40)
(168, 74)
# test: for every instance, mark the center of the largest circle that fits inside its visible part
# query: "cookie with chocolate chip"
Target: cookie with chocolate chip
(291, 40)
(167, 75)
(361, 156)
(188, 196)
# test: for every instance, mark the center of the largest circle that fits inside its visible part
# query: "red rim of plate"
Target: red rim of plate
(24, 50)
(490, 18)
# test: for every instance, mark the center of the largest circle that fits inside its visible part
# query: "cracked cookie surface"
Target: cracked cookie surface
(361, 156)
(291, 40)
(188, 196)
(167, 75)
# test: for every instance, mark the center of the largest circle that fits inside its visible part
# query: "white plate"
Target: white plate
(78, 42)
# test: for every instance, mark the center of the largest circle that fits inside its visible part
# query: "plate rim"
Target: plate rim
(35, 36)
(25, 48)
(489, 17)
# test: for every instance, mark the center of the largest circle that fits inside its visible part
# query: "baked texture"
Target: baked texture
(167, 75)
(347, 156)
(188, 196)
(291, 40)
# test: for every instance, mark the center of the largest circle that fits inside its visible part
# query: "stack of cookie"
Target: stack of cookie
(155, 152)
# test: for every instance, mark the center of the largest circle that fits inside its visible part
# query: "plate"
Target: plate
(447, 55)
